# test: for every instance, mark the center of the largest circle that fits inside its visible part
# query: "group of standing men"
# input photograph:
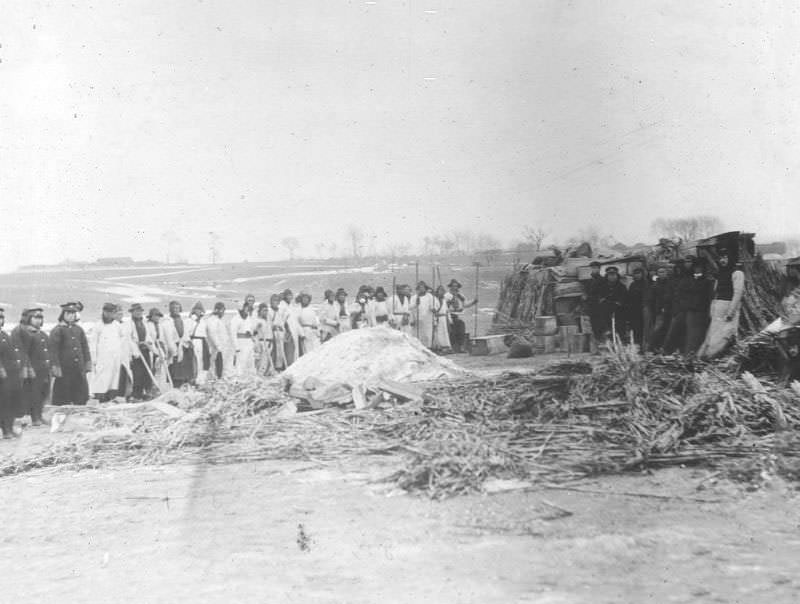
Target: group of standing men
(30, 360)
(432, 315)
(684, 311)
(126, 358)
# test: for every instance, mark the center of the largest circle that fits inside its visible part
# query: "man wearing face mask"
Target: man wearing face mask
(71, 358)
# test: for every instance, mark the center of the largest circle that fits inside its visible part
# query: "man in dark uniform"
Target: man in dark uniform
(143, 361)
(613, 301)
(698, 304)
(659, 300)
(71, 358)
(637, 293)
(679, 285)
(36, 347)
(183, 366)
(11, 365)
(591, 298)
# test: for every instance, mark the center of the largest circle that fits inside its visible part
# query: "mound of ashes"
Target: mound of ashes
(364, 356)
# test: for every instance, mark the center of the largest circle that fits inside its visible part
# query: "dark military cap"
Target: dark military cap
(136, 306)
(612, 269)
(154, 312)
(594, 263)
(453, 283)
(70, 307)
(109, 307)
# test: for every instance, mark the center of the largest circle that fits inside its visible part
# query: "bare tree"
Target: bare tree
(793, 246)
(291, 244)
(171, 240)
(427, 246)
(214, 244)
(355, 236)
(688, 228)
(320, 247)
(535, 236)
(484, 241)
(404, 249)
(333, 247)
(445, 244)
(463, 242)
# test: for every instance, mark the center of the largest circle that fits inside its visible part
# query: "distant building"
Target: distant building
(778, 247)
(115, 261)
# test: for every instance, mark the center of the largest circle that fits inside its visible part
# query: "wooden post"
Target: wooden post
(475, 312)
(416, 281)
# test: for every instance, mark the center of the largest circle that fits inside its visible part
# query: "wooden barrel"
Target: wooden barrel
(545, 326)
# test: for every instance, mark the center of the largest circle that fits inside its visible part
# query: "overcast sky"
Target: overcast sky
(264, 119)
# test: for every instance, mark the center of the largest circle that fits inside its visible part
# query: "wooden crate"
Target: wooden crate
(486, 345)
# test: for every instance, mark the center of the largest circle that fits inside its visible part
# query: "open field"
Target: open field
(229, 283)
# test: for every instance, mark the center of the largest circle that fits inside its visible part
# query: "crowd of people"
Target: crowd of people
(684, 310)
(123, 359)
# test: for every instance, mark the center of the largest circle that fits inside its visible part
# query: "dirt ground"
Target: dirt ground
(282, 531)
(290, 532)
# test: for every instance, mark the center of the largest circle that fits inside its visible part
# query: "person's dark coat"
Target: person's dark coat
(11, 376)
(71, 360)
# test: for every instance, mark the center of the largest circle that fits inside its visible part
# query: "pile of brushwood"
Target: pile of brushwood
(572, 420)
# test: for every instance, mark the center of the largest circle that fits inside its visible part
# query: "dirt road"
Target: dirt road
(291, 532)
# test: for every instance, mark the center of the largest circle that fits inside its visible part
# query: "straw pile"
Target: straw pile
(572, 420)
(523, 296)
(763, 292)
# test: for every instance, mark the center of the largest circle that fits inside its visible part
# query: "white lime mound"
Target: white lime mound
(364, 356)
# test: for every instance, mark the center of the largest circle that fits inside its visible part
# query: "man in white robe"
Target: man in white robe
(379, 310)
(401, 310)
(220, 346)
(422, 311)
(106, 349)
(196, 327)
(278, 312)
(328, 316)
(441, 337)
(308, 323)
(242, 327)
(264, 339)
(290, 308)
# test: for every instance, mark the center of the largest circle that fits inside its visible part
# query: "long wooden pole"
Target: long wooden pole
(416, 281)
(433, 306)
(475, 312)
(394, 293)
